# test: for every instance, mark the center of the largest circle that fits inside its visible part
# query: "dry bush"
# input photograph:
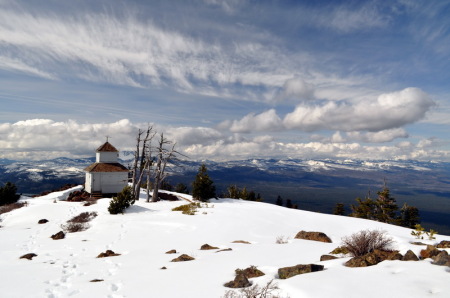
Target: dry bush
(11, 207)
(90, 201)
(255, 291)
(72, 227)
(83, 217)
(79, 223)
(282, 240)
(366, 241)
(189, 209)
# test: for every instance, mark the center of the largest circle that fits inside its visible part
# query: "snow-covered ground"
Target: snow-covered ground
(146, 231)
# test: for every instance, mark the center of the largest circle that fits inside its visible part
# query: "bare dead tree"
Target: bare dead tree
(163, 156)
(148, 167)
(140, 158)
(135, 163)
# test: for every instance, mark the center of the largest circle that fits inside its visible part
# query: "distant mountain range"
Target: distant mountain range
(315, 185)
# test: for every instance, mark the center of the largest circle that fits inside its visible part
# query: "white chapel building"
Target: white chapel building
(106, 175)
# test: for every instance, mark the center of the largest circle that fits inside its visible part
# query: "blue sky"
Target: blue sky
(227, 79)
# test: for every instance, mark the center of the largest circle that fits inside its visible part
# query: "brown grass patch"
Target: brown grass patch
(10, 207)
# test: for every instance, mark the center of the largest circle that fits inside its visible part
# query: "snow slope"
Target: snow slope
(64, 267)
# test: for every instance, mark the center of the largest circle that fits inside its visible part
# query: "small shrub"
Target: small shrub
(74, 227)
(11, 207)
(366, 241)
(189, 209)
(123, 200)
(431, 234)
(269, 290)
(79, 222)
(83, 217)
(282, 240)
(418, 232)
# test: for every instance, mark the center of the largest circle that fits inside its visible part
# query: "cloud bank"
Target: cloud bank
(386, 112)
(45, 139)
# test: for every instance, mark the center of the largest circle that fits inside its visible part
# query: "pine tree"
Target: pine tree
(181, 188)
(279, 201)
(233, 192)
(339, 209)
(387, 207)
(8, 194)
(366, 208)
(124, 199)
(288, 203)
(202, 187)
(409, 216)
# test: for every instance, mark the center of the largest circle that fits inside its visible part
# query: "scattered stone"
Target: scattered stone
(241, 241)
(410, 256)
(327, 258)
(58, 236)
(250, 272)
(207, 247)
(315, 236)
(429, 252)
(183, 258)
(287, 272)
(29, 256)
(442, 259)
(163, 268)
(240, 281)
(96, 280)
(42, 221)
(443, 244)
(78, 196)
(417, 243)
(225, 249)
(340, 250)
(373, 258)
(108, 253)
(172, 251)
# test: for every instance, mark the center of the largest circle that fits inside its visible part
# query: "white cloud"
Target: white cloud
(391, 110)
(296, 89)
(19, 66)
(44, 139)
(186, 136)
(266, 121)
(383, 136)
(346, 19)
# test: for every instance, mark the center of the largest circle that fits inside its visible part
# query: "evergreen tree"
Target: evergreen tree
(233, 192)
(251, 196)
(386, 207)
(366, 208)
(288, 203)
(202, 187)
(244, 194)
(409, 216)
(124, 199)
(181, 188)
(259, 198)
(279, 201)
(165, 185)
(339, 209)
(8, 194)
